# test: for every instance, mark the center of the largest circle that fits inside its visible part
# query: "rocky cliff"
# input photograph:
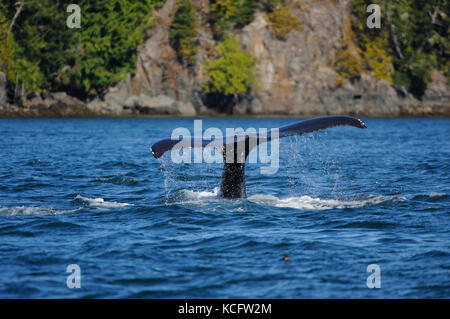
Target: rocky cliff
(295, 75)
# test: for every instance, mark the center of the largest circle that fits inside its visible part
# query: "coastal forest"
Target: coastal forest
(39, 53)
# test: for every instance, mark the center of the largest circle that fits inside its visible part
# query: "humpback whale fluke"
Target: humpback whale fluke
(233, 178)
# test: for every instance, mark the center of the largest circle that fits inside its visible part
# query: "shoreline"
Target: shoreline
(61, 105)
(268, 116)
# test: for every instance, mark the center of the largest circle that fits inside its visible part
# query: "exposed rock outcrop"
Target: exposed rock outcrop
(57, 104)
(161, 85)
(296, 75)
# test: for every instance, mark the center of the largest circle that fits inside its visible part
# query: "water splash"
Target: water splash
(307, 202)
(100, 202)
(186, 196)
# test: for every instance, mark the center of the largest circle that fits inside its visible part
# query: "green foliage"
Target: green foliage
(348, 61)
(108, 39)
(414, 35)
(7, 52)
(226, 14)
(42, 53)
(271, 5)
(351, 60)
(414, 71)
(283, 22)
(374, 43)
(378, 60)
(232, 72)
(183, 32)
(50, 56)
(40, 42)
(424, 44)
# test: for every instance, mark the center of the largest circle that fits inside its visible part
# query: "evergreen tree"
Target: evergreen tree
(44, 54)
(40, 40)
(415, 36)
(227, 14)
(183, 32)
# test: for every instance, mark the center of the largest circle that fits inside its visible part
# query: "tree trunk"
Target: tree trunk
(392, 32)
(19, 9)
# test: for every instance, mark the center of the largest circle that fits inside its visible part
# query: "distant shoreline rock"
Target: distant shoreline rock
(60, 104)
(367, 98)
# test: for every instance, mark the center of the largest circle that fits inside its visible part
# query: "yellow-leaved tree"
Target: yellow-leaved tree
(232, 72)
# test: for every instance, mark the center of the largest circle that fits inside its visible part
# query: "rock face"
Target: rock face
(161, 85)
(435, 101)
(57, 104)
(296, 75)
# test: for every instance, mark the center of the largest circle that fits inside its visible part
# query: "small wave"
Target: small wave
(367, 224)
(433, 194)
(431, 253)
(33, 210)
(432, 197)
(118, 179)
(307, 202)
(100, 202)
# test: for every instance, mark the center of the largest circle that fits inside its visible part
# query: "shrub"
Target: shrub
(414, 72)
(50, 56)
(109, 37)
(378, 60)
(18, 69)
(271, 5)
(183, 32)
(226, 14)
(7, 61)
(414, 37)
(348, 61)
(283, 22)
(232, 72)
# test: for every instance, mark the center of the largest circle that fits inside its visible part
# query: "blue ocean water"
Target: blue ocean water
(88, 192)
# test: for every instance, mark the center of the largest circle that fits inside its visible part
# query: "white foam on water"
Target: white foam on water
(433, 194)
(306, 202)
(33, 210)
(202, 194)
(100, 202)
(189, 196)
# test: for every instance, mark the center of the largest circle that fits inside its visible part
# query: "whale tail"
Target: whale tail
(233, 177)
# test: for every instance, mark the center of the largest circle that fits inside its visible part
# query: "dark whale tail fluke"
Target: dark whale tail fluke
(233, 179)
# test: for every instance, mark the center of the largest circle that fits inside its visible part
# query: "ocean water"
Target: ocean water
(88, 192)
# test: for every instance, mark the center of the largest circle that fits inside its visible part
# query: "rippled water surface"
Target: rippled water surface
(88, 192)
